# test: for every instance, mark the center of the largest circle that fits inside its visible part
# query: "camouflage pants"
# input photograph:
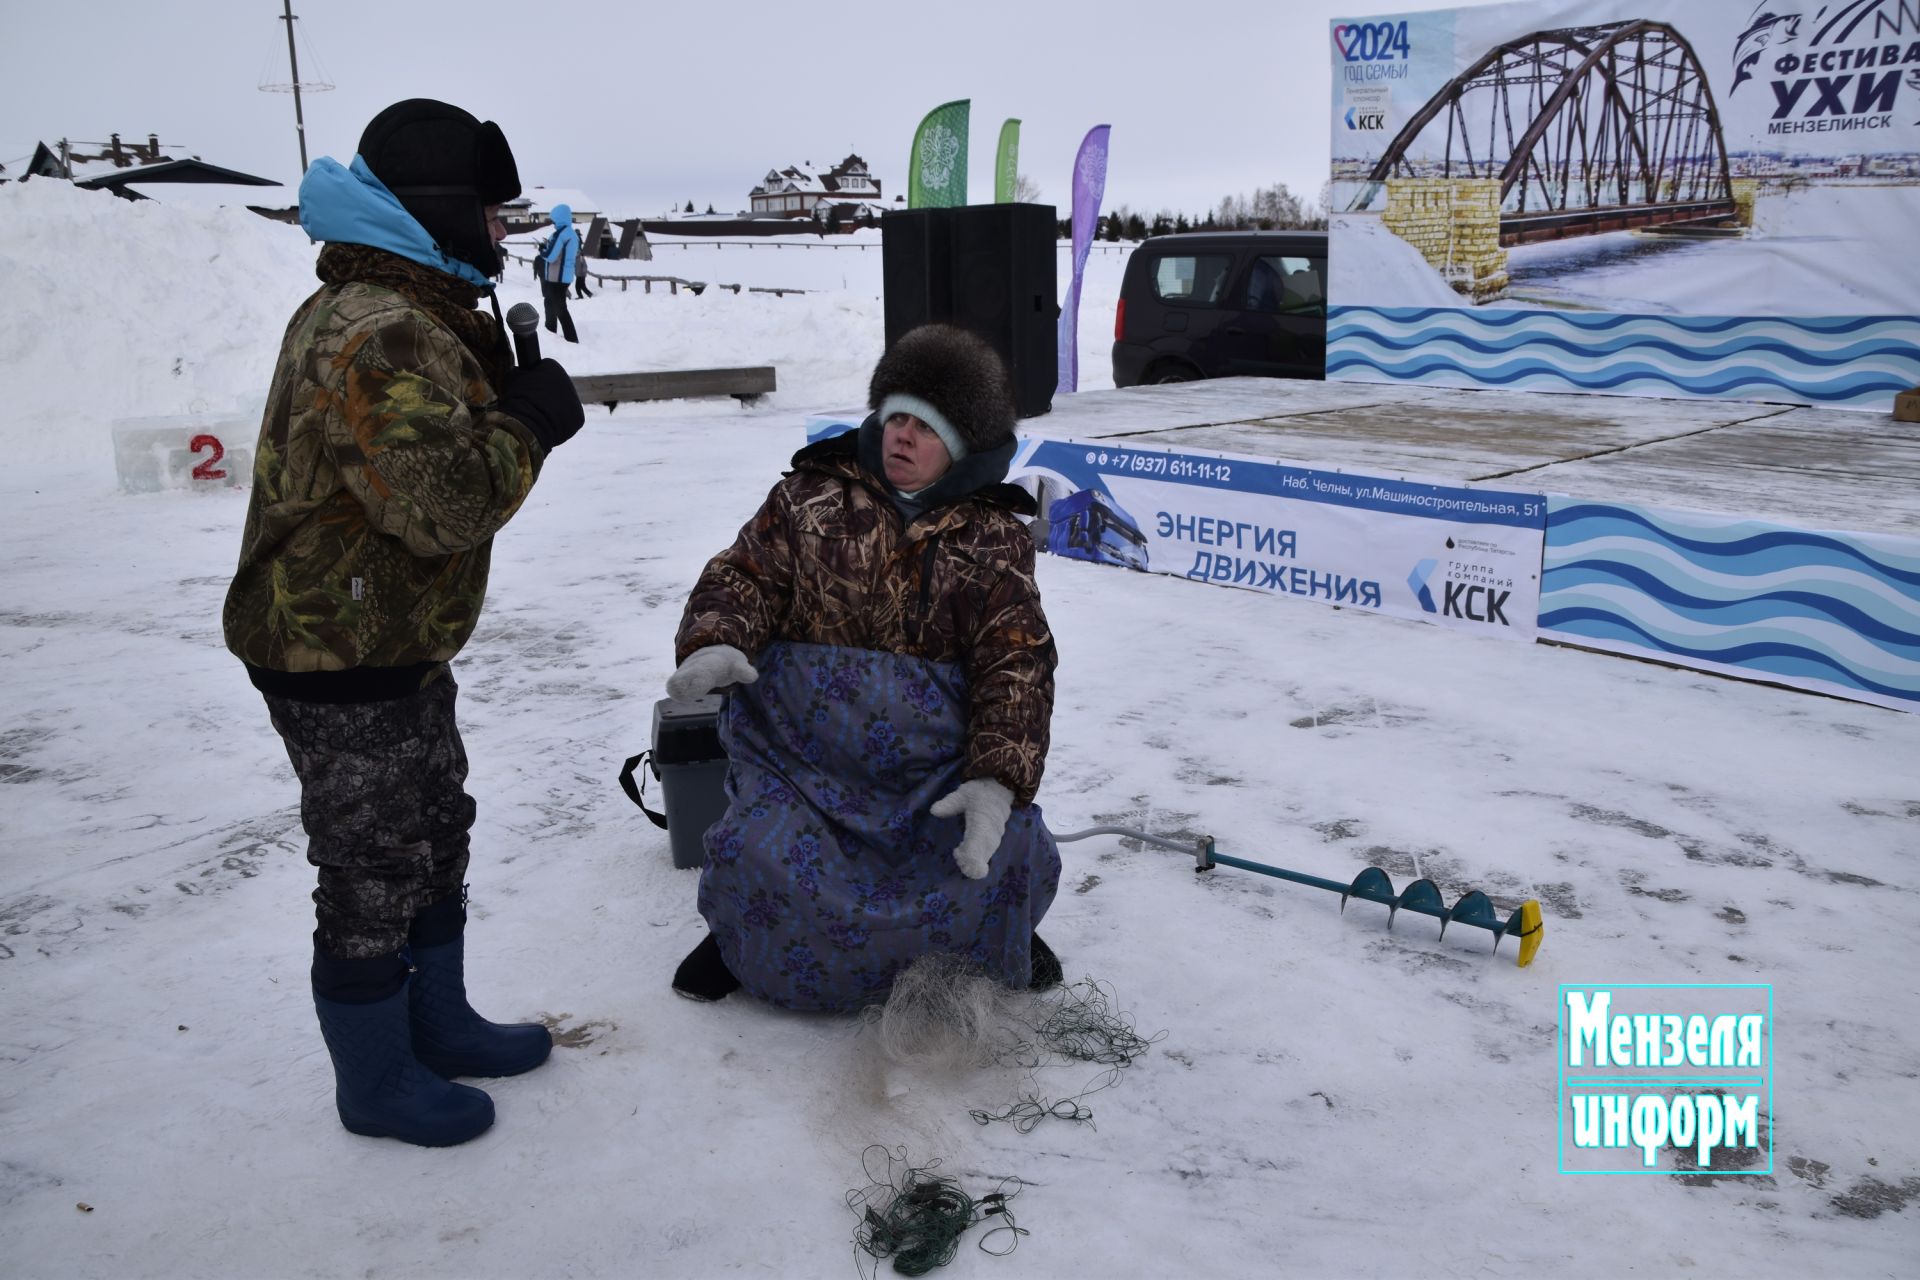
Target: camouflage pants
(385, 809)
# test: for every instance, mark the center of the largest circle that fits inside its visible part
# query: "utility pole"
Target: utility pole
(293, 60)
(294, 86)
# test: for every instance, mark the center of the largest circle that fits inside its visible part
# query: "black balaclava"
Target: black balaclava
(445, 167)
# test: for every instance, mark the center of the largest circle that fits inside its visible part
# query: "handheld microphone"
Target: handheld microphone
(524, 320)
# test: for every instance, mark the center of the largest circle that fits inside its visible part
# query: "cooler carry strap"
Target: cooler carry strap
(636, 793)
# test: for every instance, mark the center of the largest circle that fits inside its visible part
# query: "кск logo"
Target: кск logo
(1358, 119)
(1484, 600)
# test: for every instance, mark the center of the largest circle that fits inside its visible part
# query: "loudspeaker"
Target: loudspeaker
(985, 267)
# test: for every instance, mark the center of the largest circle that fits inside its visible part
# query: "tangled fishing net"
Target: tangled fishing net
(944, 1015)
(915, 1217)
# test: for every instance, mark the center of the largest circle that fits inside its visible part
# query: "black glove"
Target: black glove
(543, 398)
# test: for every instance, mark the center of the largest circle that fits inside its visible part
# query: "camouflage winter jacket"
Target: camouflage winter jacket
(829, 559)
(383, 470)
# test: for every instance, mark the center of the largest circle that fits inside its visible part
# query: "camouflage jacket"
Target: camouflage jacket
(383, 470)
(828, 559)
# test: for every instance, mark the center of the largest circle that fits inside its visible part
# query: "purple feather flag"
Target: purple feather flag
(1089, 186)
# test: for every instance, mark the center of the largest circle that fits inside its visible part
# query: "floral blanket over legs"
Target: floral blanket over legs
(827, 876)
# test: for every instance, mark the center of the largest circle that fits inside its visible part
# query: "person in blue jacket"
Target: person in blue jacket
(556, 277)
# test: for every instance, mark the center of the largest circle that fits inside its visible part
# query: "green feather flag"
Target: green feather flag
(1006, 166)
(937, 171)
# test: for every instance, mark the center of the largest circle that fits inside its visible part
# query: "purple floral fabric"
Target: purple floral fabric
(827, 876)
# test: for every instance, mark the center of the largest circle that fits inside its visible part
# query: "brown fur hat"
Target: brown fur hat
(957, 374)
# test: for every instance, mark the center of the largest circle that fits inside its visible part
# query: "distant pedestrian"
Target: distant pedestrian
(562, 260)
(580, 289)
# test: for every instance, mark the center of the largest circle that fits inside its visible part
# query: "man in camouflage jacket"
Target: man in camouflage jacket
(398, 439)
(901, 538)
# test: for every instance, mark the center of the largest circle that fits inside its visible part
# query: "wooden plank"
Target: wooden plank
(746, 383)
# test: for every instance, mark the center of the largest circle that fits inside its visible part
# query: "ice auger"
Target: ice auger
(1372, 885)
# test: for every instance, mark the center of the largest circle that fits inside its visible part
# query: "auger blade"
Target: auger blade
(1474, 908)
(1423, 896)
(1371, 885)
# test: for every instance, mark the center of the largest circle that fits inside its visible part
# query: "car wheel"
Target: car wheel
(1172, 373)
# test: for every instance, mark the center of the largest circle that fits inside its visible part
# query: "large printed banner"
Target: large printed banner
(1466, 558)
(1649, 197)
(1838, 613)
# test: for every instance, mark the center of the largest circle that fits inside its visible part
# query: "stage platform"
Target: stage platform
(1775, 542)
(1812, 467)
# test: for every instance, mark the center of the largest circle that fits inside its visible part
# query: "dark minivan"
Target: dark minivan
(1220, 304)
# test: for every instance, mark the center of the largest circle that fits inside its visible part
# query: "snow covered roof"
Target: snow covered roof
(118, 163)
(213, 195)
(792, 180)
(849, 178)
(169, 172)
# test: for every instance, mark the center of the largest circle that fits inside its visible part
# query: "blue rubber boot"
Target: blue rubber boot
(382, 1090)
(448, 1035)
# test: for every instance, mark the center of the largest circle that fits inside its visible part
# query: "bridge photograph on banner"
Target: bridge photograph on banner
(1707, 198)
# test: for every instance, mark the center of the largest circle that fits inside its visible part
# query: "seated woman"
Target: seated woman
(890, 678)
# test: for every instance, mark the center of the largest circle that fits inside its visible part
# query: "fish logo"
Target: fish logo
(1767, 29)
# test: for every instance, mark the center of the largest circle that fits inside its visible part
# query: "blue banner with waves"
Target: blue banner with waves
(1838, 613)
(1859, 361)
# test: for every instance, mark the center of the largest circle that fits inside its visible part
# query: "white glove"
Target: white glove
(983, 806)
(714, 667)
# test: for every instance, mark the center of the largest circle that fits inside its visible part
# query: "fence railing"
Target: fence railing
(674, 283)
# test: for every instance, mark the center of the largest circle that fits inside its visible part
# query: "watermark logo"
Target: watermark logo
(1666, 1078)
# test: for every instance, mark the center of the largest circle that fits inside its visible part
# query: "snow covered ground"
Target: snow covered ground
(1329, 1098)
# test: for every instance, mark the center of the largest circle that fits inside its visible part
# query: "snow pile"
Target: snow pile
(135, 308)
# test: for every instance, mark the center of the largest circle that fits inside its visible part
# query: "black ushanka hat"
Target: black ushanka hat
(445, 167)
(952, 380)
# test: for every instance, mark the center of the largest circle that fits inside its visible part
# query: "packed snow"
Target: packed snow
(1326, 1097)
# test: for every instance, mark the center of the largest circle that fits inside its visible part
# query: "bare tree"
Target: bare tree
(1268, 209)
(1025, 189)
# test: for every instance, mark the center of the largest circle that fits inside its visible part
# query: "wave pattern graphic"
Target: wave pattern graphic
(1832, 611)
(1855, 361)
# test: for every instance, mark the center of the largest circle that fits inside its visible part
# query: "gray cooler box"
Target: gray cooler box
(692, 769)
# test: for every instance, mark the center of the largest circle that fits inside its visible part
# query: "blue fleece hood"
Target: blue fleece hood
(562, 216)
(348, 205)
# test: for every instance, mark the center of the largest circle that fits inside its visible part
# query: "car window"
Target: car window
(1286, 284)
(1197, 277)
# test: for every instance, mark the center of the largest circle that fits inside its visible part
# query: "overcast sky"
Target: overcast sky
(643, 106)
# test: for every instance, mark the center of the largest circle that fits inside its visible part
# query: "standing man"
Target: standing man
(563, 255)
(398, 439)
